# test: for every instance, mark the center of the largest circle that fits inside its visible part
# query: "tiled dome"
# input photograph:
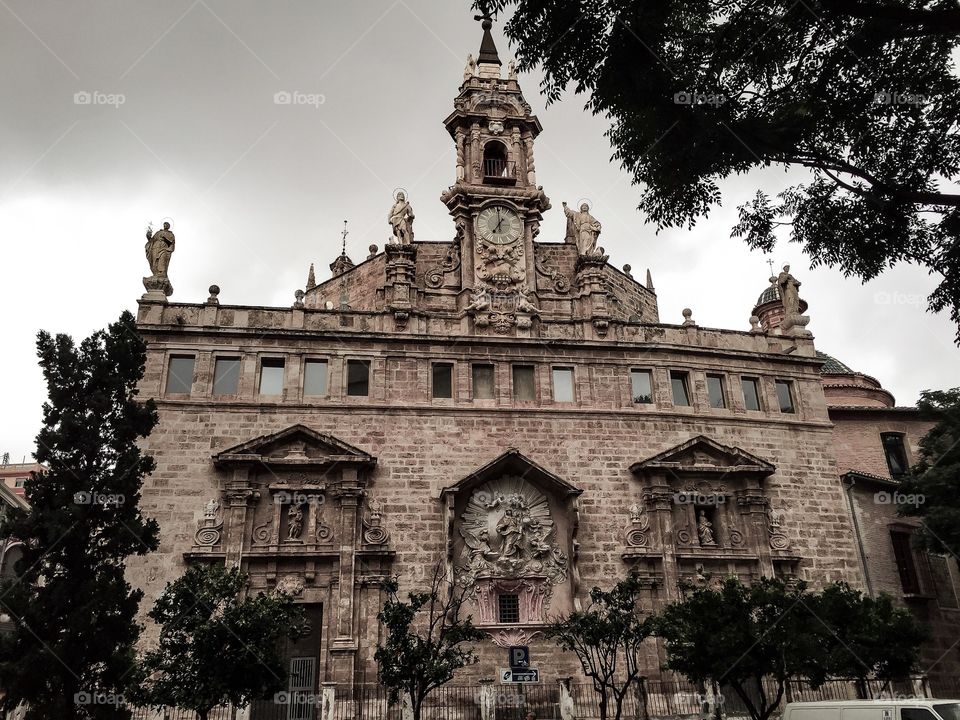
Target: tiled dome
(832, 366)
(769, 295)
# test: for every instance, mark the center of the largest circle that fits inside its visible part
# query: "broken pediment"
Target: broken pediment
(514, 463)
(297, 446)
(702, 455)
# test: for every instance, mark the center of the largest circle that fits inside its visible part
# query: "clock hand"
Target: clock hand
(499, 223)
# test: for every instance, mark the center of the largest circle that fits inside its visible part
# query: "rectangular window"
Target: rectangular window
(442, 380)
(678, 382)
(563, 384)
(358, 378)
(942, 583)
(483, 382)
(784, 396)
(180, 374)
(896, 455)
(715, 390)
(751, 393)
(226, 376)
(641, 386)
(906, 566)
(524, 386)
(20, 482)
(315, 373)
(271, 376)
(508, 607)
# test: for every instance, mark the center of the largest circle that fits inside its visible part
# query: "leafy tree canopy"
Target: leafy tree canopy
(863, 93)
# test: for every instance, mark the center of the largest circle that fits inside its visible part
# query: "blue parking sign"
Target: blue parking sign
(519, 656)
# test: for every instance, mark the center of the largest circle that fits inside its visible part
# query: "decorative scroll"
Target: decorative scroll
(560, 282)
(778, 539)
(512, 637)
(210, 527)
(261, 533)
(449, 263)
(639, 526)
(373, 531)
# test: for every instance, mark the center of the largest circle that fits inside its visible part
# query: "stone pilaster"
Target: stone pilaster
(400, 287)
(343, 649)
(593, 298)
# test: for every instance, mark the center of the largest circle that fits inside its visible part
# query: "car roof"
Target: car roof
(870, 703)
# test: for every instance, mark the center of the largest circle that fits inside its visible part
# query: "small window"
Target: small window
(906, 565)
(226, 376)
(917, 714)
(271, 376)
(524, 387)
(442, 380)
(751, 393)
(785, 396)
(715, 390)
(678, 382)
(20, 482)
(483, 382)
(358, 378)
(563, 384)
(180, 374)
(315, 374)
(896, 455)
(508, 607)
(641, 386)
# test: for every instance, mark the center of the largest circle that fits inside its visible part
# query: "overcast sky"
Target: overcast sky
(182, 123)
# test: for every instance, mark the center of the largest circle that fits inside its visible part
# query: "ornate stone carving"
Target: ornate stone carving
(294, 522)
(583, 229)
(560, 282)
(373, 531)
(705, 531)
(210, 527)
(261, 532)
(508, 532)
(400, 219)
(159, 249)
(512, 637)
(499, 265)
(639, 526)
(471, 68)
(778, 539)
(793, 323)
(532, 594)
(449, 263)
(290, 585)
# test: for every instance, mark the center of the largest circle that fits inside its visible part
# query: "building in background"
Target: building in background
(510, 406)
(15, 475)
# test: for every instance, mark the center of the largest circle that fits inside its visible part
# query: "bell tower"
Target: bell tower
(495, 201)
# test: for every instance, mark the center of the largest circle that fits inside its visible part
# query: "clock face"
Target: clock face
(499, 224)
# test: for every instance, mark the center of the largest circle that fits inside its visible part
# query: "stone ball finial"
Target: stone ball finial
(688, 317)
(373, 250)
(214, 291)
(755, 324)
(627, 268)
(299, 296)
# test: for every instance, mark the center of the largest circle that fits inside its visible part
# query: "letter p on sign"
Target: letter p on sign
(519, 656)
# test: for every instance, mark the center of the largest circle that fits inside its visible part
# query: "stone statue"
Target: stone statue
(294, 522)
(523, 302)
(400, 218)
(583, 228)
(479, 301)
(511, 70)
(789, 288)
(159, 248)
(471, 69)
(705, 530)
(210, 509)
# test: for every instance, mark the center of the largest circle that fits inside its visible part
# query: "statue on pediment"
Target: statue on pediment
(583, 229)
(400, 218)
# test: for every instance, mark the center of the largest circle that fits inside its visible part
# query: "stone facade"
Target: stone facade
(510, 407)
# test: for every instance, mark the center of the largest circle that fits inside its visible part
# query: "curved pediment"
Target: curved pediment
(297, 445)
(700, 454)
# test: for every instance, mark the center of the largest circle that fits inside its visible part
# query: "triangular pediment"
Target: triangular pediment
(701, 454)
(514, 463)
(296, 445)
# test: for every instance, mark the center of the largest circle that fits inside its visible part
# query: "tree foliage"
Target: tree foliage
(861, 93)
(216, 645)
(607, 639)
(936, 476)
(71, 651)
(426, 639)
(738, 635)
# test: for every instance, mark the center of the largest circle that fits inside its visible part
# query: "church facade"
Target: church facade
(508, 406)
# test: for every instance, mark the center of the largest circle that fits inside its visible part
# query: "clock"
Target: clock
(499, 225)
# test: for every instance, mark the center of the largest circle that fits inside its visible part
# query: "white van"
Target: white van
(874, 710)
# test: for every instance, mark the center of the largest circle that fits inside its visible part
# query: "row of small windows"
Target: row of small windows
(641, 382)
(226, 378)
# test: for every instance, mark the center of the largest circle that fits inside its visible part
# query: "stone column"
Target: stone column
(344, 647)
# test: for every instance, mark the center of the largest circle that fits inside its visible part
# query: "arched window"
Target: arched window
(496, 167)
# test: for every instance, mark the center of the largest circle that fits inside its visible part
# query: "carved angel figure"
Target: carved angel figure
(523, 301)
(294, 522)
(705, 530)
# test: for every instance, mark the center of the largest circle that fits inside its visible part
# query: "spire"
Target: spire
(649, 280)
(488, 62)
(342, 263)
(311, 278)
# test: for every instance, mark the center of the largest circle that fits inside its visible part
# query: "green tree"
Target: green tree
(217, 646)
(936, 476)
(861, 94)
(71, 651)
(426, 639)
(609, 632)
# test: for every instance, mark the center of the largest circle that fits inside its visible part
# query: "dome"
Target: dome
(832, 366)
(771, 293)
